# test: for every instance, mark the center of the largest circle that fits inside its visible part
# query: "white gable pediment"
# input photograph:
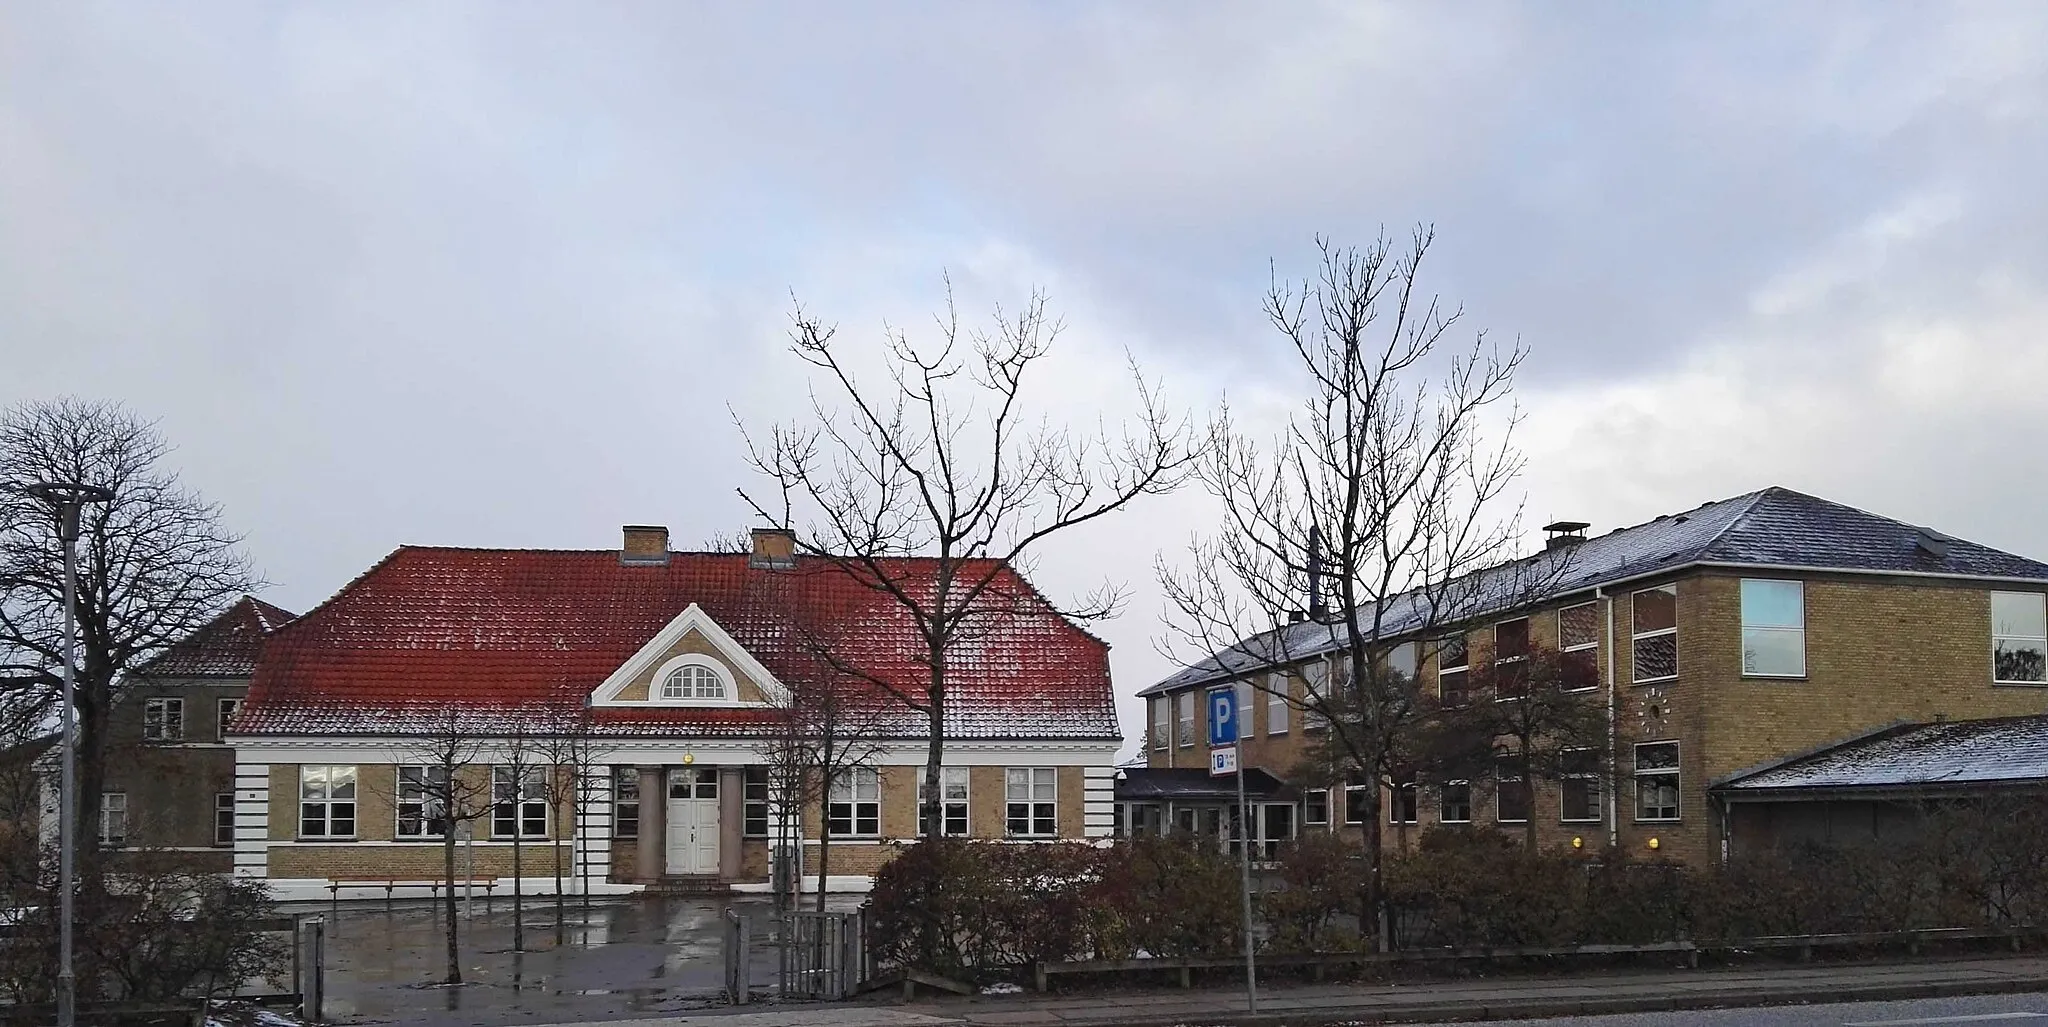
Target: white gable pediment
(659, 657)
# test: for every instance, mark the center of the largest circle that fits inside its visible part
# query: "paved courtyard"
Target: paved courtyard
(626, 958)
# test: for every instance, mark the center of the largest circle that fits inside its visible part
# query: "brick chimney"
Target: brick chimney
(774, 549)
(645, 545)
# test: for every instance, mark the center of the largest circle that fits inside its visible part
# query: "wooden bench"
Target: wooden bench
(391, 884)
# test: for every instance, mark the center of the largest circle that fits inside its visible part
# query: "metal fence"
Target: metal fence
(818, 956)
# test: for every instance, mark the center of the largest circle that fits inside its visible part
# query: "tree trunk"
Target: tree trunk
(824, 840)
(555, 847)
(1529, 796)
(448, 892)
(928, 811)
(518, 845)
(1372, 894)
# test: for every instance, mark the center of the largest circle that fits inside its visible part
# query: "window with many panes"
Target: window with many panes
(626, 802)
(422, 802)
(693, 682)
(1657, 781)
(1453, 671)
(224, 818)
(224, 712)
(163, 720)
(952, 802)
(855, 806)
(2019, 638)
(1162, 721)
(1511, 658)
(113, 818)
(1186, 707)
(1578, 788)
(1773, 628)
(1510, 793)
(1654, 616)
(1276, 704)
(1578, 645)
(519, 802)
(754, 802)
(327, 802)
(1457, 806)
(1404, 805)
(1031, 797)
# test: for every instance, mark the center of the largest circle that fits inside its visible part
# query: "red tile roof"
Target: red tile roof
(527, 631)
(226, 646)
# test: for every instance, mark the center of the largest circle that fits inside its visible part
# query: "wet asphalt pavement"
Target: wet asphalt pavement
(625, 958)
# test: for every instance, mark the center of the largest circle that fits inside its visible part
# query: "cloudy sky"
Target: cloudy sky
(503, 274)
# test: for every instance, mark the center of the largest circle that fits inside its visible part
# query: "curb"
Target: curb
(1531, 1009)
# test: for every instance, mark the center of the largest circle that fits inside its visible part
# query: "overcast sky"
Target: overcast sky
(493, 274)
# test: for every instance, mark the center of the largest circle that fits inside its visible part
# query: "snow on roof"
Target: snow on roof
(2006, 750)
(226, 646)
(1773, 527)
(428, 628)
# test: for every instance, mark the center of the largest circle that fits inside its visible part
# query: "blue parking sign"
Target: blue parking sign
(1222, 716)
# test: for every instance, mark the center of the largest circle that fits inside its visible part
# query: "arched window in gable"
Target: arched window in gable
(692, 681)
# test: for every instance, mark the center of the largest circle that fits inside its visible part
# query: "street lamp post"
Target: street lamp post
(69, 499)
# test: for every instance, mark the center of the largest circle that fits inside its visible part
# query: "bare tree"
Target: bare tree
(1364, 520)
(514, 780)
(827, 728)
(446, 783)
(154, 565)
(567, 744)
(1542, 720)
(947, 460)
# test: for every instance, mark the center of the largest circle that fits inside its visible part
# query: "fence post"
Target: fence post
(313, 997)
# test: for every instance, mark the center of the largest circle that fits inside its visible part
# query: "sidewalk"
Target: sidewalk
(1496, 999)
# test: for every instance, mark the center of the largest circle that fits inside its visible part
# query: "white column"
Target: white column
(252, 820)
(1098, 801)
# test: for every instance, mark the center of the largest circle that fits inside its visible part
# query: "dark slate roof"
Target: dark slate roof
(1908, 757)
(224, 647)
(1158, 784)
(1774, 527)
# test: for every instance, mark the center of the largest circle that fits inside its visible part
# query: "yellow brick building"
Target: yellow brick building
(1723, 640)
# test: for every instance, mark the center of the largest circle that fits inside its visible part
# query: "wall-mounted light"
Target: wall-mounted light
(691, 757)
(1654, 843)
(1578, 843)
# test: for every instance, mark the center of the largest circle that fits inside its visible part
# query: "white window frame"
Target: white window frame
(1277, 689)
(1241, 693)
(692, 682)
(163, 719)
(1405, 659)
(1500, 781)
(1309, 820)
(625, 794)
(1358, 807)
(955, 791)
(756, 802)
(1027, 787)
(2039, 641)
(1162, 722)
(1742, 615)
(418, 797)
(1635, 659)
(1443, 802)
(1522, 661)
(856, 801)
(1593, 646)
(1411, 788)
(1672, 772)
(1463, 670)
(224, 712)
(1594, 785)
(520, 805)
(223, 819)
(1184, 710)
(113, 831)
(323, 786)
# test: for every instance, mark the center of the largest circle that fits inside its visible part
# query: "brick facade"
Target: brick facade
(1878, 650)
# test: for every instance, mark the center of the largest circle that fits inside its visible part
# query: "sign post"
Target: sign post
(1223, 724)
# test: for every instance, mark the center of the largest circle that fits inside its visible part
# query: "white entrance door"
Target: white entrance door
(693, 821)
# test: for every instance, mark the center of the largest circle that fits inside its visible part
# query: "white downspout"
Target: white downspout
(1613, 736)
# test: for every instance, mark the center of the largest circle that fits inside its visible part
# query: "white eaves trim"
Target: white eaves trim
(652, 654)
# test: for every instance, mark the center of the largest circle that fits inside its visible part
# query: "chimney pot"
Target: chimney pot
(644, 545)
(774, 549)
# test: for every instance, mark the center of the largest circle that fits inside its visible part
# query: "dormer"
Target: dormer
(691, 662)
